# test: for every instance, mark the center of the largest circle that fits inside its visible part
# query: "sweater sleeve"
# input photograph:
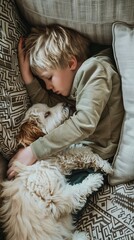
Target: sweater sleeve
(92, 86)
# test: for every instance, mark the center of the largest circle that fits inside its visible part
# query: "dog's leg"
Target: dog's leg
(75, 196)
(82, 158)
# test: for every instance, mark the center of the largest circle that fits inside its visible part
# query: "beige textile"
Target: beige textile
(93, 17)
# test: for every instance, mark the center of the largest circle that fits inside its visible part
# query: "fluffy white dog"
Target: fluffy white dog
(38, 203)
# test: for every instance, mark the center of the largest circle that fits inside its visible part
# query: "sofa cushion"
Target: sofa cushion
(13, 95)
(123, 47)
(89, 16)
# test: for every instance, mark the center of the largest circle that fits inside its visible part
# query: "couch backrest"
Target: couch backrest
(94, 17)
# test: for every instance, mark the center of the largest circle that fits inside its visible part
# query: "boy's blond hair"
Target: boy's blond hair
(52, 47)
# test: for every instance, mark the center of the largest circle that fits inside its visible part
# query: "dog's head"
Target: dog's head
(41, 120)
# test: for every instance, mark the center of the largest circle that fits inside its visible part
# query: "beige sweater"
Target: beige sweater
(96, 94)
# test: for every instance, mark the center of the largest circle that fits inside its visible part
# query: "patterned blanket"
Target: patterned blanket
(109, 213)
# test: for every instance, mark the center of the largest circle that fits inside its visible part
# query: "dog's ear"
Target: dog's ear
(29, 132)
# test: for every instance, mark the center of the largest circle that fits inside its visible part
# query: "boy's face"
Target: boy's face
(59, 80)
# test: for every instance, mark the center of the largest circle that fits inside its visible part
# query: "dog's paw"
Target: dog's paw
(98, 181)
(107, 168)
(93, 182)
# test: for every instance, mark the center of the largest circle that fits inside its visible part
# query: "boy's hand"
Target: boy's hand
(24, 156)
(24, 63)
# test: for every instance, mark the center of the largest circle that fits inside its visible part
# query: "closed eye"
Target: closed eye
(47, 114)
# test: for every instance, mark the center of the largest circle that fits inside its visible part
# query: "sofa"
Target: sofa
(109, 213)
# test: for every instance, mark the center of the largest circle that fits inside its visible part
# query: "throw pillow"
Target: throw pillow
(123, 47)
(13, 95)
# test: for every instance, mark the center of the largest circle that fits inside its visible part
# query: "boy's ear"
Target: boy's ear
(73, 63)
